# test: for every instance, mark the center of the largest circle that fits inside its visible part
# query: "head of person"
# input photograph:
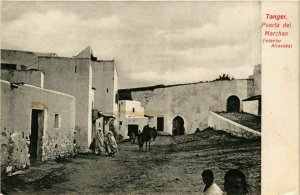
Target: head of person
(207, 177)
(235, 182)
(109, 133)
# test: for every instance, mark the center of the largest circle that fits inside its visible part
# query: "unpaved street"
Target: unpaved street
(173, 166)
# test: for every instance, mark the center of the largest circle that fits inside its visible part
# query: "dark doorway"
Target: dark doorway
(36, 136)
(178, 126)
(160, 123)
(133, 129)
(233, 104)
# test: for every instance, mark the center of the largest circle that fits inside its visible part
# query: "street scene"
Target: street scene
(173, 166)
(131, 98)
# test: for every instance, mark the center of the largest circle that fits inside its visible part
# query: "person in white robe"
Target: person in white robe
(210, 188)
(99, 142)
(111, 144)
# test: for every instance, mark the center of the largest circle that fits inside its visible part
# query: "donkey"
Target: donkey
(145, 137)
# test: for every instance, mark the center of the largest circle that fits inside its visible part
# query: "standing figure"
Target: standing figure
(132, 138)
(111, 144)
(140, 140)
(99, 142)
(210, 188)
(235, 183)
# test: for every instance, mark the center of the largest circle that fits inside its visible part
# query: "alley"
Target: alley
(173, 166)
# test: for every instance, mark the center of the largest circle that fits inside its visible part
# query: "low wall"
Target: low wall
(221, 123)
(251, 107)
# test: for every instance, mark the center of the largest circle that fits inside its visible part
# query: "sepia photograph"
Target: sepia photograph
(124, 97)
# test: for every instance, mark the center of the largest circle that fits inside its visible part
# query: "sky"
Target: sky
(151, 42)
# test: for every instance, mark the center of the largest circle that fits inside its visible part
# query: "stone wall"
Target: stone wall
(142, 96)
(191, 102)
(221, 123)
(16, 111)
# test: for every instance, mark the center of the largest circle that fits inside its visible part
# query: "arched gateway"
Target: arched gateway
(178, 126)
(233, 104)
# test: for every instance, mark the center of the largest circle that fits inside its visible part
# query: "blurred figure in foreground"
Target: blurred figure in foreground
(210, 188)
(235, 183)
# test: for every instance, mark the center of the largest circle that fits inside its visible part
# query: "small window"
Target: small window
(120, 122)
(116, 98)
(133, 110)
(56, 121)
(75, 68)
(107, 90)
(8, 66)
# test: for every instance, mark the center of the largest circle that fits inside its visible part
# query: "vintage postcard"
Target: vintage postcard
(150, 97)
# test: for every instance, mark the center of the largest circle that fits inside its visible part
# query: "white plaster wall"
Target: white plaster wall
(32, 77)
(251, 107)
(97, 68)
(127, 106)
(105, 81)
(193, 102)
(16, 106)
(115, 100)
(257, 79)
(60, 75)
(91, 96)
(123, 129)
(220, 123)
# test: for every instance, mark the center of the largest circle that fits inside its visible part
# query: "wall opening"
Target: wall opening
(56, 121)
(160, 123)
(133, 129)
(233, 104)
(8, 66)
(178, 126)
(36, 136)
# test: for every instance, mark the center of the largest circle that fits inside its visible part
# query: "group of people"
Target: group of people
(234, 183)
(105, 143)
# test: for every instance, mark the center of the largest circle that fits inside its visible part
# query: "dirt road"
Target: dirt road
(173, 166)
